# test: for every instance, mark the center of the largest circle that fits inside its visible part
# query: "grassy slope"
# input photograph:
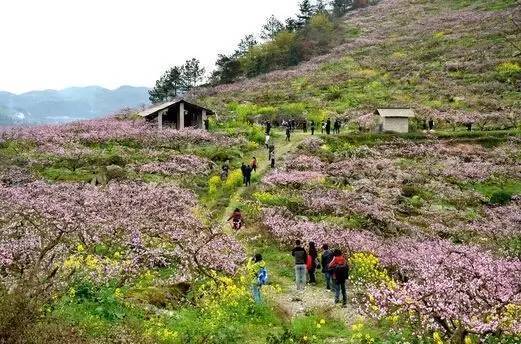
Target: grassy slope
(420, 53)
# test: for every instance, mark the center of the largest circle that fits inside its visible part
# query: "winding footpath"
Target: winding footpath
(290, 302)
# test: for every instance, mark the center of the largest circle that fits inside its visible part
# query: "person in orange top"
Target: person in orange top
(340, 270)
(254, 164)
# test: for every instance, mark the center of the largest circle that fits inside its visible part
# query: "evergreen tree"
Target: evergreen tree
(320, 7)
(245, 44)
(168, 86)
(306, 11)
(228, 69)
(272, 27)
(192, 74)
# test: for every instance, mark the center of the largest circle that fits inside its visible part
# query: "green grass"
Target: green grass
(488, 188)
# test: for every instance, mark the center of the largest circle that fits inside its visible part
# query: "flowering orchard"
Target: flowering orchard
(422, 210)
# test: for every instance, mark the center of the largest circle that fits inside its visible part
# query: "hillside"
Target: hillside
(444, 55)
(72, 103)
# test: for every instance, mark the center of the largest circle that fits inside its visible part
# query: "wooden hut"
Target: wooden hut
(178, 114)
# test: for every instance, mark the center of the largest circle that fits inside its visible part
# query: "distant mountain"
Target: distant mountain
(74, 103)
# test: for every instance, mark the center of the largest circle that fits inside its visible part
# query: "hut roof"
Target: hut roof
(403, 113)
(156, 108)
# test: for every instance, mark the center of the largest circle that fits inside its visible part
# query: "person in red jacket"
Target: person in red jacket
(237, 219)
(340, 270)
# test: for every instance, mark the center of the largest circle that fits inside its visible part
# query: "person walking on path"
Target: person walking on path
(312, 262)
(268, 127)
(326, 258)
(288, 134)
(224, 170)
(254, 164)
(267, 141)
(328, 126)
(272, 158)
(247, 175)
(340, 273)
(312, 127)
(305, 126)
(323, 127)
(237, 219)
(336, 126)
(243, 170)
(300, 265)
(259, 276)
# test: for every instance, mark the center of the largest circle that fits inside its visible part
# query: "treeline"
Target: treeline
(280, 44)
(285, 44)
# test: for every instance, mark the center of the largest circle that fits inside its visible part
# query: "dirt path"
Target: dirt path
(290, 302)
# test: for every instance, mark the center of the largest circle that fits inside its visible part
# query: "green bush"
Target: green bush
(500, 198)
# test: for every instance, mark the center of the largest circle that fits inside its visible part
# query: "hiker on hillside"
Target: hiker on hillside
(300, 265)
(254, 164)
(323, 127)
(267, 141)
(328, 126)
(336, 126)
(431, 124)
(305, 126)
(224, 170)
(288, 133)
(259, 276)
(327, 257)
(312, 127)
(312, 262)
(237, 219)
(268, 127)
(247, 175)
(243, 170)
(272, 158)
(340, 271)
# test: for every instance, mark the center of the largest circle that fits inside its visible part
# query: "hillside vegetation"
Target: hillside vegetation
(429, 55)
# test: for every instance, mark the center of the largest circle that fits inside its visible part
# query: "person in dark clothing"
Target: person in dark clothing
(322, 127)
(243, 170)
(312, 127)
(337, 126)
(431, 124)
(272, 158)
(288, 133)
(305, 126)
(328, 126)
(300, 265)
(340, 273)
(237, 219)
(206, 124)
(268, 127)
(311, 262)
(327, 257)
(469, 126)
(224, 170)
(247, 175)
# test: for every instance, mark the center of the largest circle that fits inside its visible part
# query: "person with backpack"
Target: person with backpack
(340, 271)
(326, 258)
(237, 219)
(312, 262)
(300, 265)
(288, 133)
(312, 127)
(259, 276)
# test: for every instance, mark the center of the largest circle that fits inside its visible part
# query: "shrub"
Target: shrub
(508, 70)
(500, 198)
(234, 179)
(213, 183)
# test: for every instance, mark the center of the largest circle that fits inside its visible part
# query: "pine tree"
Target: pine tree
(168, 86)
(306, 12)
(272, 27)
(340, 7)
(192, 74)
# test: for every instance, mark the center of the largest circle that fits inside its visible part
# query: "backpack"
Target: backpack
(341, 272)
(262, 278)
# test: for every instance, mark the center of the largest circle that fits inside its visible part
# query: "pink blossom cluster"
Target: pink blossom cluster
(107, 129)
(152, 226)
(440, 282)
(179, 165)
(13, 176)
(500, 220)
(293, 179)
(311, 144)
(304, 163)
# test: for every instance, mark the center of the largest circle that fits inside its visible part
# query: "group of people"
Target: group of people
(333, 265)
(247, 171)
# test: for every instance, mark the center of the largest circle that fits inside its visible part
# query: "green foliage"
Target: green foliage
(213, 184)
(365, 271)
(234, 179)
(509, 71)
(293, 203)
(500, 198)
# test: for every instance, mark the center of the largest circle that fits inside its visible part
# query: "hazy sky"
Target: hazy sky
(61, 43)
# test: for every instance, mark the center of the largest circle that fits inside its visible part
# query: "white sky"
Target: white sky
(53, 44)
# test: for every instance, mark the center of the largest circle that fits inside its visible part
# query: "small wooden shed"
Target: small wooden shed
(178, 114)
(395, 120)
